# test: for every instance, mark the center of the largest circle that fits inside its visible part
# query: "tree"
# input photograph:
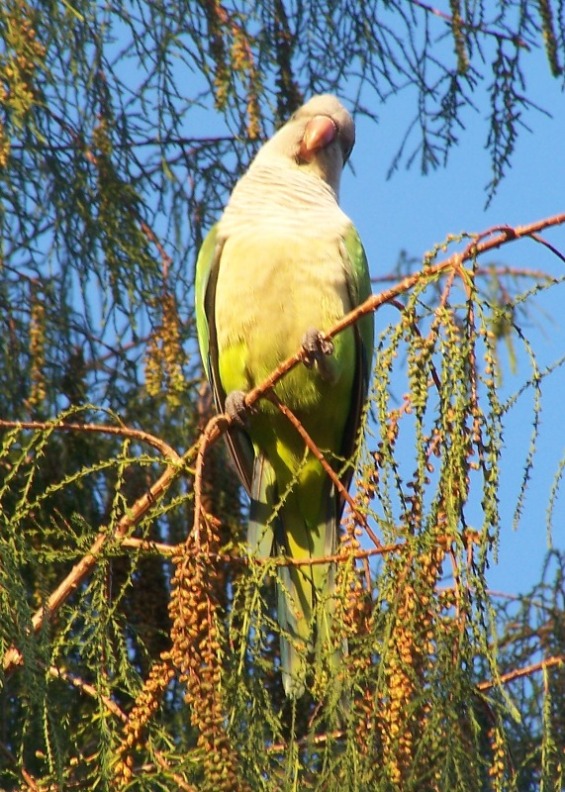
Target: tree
(138, 640)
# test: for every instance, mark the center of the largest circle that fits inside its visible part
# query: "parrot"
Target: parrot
(279, 268)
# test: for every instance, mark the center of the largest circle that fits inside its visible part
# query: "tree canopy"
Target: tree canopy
(138, 637)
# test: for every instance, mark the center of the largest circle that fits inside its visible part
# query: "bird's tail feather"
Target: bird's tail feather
(305, 592)
(306, 601)
(262, 523)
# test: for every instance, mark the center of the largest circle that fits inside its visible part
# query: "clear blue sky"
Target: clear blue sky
(412, 212)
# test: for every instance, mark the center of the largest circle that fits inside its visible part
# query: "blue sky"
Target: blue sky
(413, 212)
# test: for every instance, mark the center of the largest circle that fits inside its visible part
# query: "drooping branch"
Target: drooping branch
(81, 570)
(499, 35)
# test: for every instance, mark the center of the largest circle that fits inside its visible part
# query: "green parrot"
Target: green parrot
(282, 265)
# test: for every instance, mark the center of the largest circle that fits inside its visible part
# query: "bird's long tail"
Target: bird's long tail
(306, 592)
(283, 525)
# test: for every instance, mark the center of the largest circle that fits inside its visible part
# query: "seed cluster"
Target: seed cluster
(23, 55)
(408, 653)
(198, 648)
(231, 48)
(144, 709)
(37, 343)
(165, 355)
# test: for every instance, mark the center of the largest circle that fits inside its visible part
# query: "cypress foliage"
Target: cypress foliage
(138, 639)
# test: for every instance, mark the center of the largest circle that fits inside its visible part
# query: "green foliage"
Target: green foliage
(139, 640)
(531, 627)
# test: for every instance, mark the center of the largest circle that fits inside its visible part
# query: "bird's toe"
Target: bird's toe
(316, 346)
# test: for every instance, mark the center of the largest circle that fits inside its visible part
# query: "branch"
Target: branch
(112, 707)
(61, 425)
(522, 672)
(13, 656)
(516, 40)
(397, 547)
(149, 546)
(499, 236)
(170, 551)
(79, 683)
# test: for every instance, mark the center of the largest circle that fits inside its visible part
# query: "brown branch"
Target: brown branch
(522, 672)
(30, 781)
(149, 546)
(152, 237)
(122, 431)
(89, 690)
(70, 583)
(112, 707)
(502, 269)
(170, 551)
(499, 236)
(337, 557)
(146, 545)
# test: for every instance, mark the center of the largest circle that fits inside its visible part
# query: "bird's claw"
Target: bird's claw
(236, 408)
(316, 347)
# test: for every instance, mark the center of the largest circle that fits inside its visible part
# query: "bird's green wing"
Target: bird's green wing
(359, 283)
(360, 289)
(207, 268)
(206, 274)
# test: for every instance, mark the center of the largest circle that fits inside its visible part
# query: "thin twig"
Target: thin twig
(311, 445)
(549, 246)
(170, 551)
(149, 546)
(89, 690)
(497, 34)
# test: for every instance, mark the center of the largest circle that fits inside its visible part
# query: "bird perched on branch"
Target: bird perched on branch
(279, 269)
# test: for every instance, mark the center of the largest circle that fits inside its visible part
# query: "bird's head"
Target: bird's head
(317, 139)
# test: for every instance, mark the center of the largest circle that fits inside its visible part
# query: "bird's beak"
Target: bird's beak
(320, 132)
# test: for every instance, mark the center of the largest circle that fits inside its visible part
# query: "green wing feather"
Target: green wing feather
(206, 271)
(359, 283)
(207, 268)
(360, 290)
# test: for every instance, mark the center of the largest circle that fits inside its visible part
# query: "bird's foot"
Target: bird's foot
(316, 347)
(236, 408)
